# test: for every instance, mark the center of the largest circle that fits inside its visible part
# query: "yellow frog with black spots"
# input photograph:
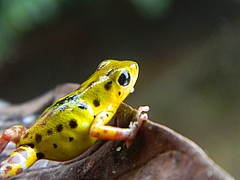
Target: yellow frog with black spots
(73, 123)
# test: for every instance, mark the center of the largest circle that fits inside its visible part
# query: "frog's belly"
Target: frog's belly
(67, 148)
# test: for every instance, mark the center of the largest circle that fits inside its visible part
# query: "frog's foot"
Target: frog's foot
(20, 159)
(13, 134)
(135, 126)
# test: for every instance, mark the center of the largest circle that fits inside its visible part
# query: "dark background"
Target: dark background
(188, 53)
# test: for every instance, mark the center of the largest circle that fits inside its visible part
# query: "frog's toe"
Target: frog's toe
(141, 112)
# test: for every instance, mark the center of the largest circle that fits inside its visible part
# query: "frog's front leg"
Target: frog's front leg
(100, 130)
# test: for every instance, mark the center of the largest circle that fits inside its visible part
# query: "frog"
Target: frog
(73, 123)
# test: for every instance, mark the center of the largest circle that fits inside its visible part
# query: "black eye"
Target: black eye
(124, 78)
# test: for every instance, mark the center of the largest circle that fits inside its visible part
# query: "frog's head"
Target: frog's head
(118, 76)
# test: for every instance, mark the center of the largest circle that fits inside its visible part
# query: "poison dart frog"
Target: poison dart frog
(73, 123)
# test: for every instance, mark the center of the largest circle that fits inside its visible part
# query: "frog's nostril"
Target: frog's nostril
(133, 66)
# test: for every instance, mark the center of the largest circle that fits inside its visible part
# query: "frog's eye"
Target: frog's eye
(124, 78)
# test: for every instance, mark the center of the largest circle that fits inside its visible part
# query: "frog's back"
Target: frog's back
(60, 134)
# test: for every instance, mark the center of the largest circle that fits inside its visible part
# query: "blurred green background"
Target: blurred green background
(188, 52)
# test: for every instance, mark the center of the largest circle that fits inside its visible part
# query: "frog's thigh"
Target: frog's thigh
(100, 130)
(19, 160)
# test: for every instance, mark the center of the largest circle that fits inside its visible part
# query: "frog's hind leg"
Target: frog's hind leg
(12, 134)
(20, 159)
